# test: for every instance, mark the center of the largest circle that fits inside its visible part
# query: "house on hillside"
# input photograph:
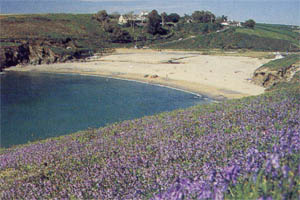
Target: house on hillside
(231, 23)
(137, 19)
(123, 20)
(225, 24)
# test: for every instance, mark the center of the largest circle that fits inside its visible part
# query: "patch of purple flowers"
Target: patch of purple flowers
(187, 154)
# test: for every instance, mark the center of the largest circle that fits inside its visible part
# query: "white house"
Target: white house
(231, 23)
(123, 20)
(141, 18)
(225, 24)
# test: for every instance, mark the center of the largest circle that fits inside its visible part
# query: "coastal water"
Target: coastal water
(37, 106)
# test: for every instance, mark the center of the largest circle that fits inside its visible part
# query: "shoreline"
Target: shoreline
(175, 70)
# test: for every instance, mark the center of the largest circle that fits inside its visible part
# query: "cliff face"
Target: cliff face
(267, 77)
(39, 52)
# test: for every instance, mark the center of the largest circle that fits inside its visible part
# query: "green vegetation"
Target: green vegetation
(203, 17)
(283, 63)
(272, 31)
(101, 32)
(232, 39)
(81, 28)
(153, 25)
(265, 184)
(45, 26)
(249, 23)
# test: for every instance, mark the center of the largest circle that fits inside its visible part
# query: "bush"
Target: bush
(120, 36)
(153, 25)
(249, 23)
(173, 17)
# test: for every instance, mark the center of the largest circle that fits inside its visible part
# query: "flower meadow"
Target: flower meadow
(236, 149)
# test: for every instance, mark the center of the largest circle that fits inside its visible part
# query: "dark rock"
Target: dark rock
(154, 76)
(37, 52)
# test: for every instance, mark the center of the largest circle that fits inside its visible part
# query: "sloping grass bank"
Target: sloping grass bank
(238, 38)
(282, 64)
(238, 148)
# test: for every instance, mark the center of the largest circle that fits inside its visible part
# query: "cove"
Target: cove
(36, 106)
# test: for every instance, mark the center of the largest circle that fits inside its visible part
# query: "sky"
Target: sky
(263, 11)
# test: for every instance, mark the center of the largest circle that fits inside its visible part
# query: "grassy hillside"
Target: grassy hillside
(55, 27)
(48, 38)
(282, 64)
(237, 149)
(272, 31)
(262, 37)
(15, 28)
(49, 26)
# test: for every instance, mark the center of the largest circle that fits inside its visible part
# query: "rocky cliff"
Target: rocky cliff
(267, 76)
(40, 52)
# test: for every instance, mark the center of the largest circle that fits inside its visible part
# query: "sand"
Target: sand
(214, 76)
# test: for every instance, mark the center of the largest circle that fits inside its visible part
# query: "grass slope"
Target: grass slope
(49, 26)
(263, 37)
(82, 27)
(283, 63)
(245, 148)
(272, 31)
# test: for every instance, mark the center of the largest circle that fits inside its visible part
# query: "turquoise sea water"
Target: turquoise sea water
(37, 106)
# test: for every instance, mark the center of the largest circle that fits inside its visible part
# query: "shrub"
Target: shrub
(249, 23)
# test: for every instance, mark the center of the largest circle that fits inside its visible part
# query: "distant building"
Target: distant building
(137, 19)
(123, 20)
(225, 24)
(231, 23)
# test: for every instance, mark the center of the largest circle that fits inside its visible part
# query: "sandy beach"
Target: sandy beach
(215, 76)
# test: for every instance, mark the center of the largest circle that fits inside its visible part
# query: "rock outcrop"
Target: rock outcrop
(267, 77)
(39, 52)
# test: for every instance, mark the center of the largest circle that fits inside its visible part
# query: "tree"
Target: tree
(205, 28)
(224, 18)
(221, 19)
(131, 21)
(197, 16)
(120, 36)
(203, 17)
(101, 16)
(173, 17)
(209, 17)
(153, 25)
(249, 23)
(108, 27)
